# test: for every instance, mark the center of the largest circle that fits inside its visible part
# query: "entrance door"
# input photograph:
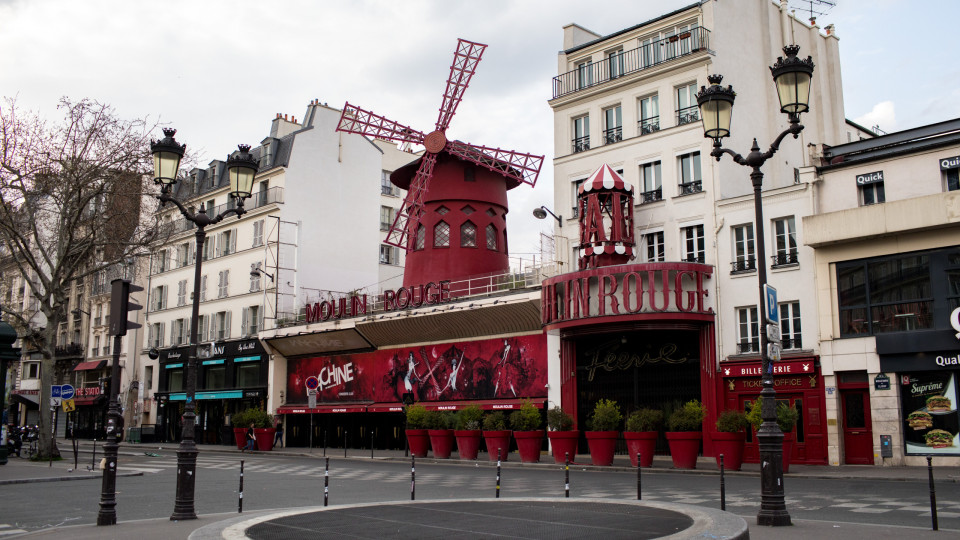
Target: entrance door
(857, 427)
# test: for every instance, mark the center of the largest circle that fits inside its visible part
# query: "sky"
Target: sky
(219, 70)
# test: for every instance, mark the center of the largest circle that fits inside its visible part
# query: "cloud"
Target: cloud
(882, 115)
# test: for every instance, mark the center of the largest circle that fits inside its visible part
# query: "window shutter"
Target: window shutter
(203, 288)
(218, 244)
(244, 316)
(186, 330)
(226, 281)
(233, 240)
(227, 326)
(163, 297)
(150, 334)
(162, 327)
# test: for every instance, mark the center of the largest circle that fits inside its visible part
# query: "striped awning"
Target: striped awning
(93, 364)
(605, 178)
(608, 249)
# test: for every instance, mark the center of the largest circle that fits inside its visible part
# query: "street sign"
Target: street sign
(773, 309)
(55, 401)
(312, 399)
(773, 352)
(773, 332)
(66, 391)
(312, 383)
(55, 391)
(69, 405)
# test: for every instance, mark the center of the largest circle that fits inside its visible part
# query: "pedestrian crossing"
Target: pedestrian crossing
(10, 530)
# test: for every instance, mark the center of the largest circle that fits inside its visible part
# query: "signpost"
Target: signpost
(69, 405)
(773, 309)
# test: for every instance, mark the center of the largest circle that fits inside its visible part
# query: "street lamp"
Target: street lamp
(256, 271)
(541, 213)
(241, 168)
(792, 77)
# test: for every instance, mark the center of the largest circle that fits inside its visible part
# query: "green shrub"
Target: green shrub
(259, 418)
(753, 415)
(731, 421)
(559, 420)
(687, 418)
(526, 418)
(787, 417)
(606, 416)
(469, 417)
(437, 420)
(495, 421)
(239, 419)
(416, 417)
(644, 420)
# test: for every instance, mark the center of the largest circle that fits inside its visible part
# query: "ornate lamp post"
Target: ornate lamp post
(792, 77)
(241, 167)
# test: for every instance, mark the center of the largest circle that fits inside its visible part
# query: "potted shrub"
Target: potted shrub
(417, 437)
(526, 422)
(263, 428)
(684, 432)
(496, 435)
(468, 422)
(441, 436)
(641, 431)
(729, 438)
(787, 417)
(240, 423)
(563, 438)
(602, 437)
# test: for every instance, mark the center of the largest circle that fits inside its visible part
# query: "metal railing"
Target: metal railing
(581, 143)
(688, 115)
(751, 346)
(643, 57)
(649, 125)
(784, 258)
(651, 196)
(273, 195)
(694, 259)
(388, 190)
(691, 187)
(792, 342)
(748, 264)
(613, 135)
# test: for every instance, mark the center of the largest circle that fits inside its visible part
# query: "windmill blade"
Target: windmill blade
(519, 166)
(353, 119)
(465, 61)
(412, 208)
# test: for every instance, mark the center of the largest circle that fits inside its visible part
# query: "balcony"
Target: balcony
(68, 351)
(792, 343)
(613, 135)
(694, 259)
(648, 125)
(273, 195)
(748, 346)
(581, 144)
(740, 266)
(784, 259)
(389, 190)
(633, 61)
(691, 187)
(651, 196)
(688, 115)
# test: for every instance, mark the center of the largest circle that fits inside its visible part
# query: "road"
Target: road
(273, 482)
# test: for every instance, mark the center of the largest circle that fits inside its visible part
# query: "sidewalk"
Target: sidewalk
(23, 471)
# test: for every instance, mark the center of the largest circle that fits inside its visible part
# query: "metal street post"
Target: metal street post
(241, 169)
(792, 77)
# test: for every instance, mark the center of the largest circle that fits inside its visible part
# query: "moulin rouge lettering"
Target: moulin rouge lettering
(405, 297)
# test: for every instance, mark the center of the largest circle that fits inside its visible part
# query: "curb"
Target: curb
(63, 478)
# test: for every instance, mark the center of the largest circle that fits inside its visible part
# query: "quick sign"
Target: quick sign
(950, 163)
(955, 321)
(870, 178)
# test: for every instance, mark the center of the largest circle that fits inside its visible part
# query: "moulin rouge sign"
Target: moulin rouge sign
(626, 290)
(413, 296)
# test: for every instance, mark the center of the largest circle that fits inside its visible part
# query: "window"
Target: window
(155, 334)
(148, 378)
(870, 186)
(687, 110)
(650, 180)
(106, 347)
(258, 232)
(613, 125)
(576, 192)
(421, 237)
(175, 380)
(581, 134)
(890, 294)
(790, 325)
(250, 321)
(744, 259)
(693, 248)
(468, 235)
(386, 188)
(386, 218)
(203, 323)
(952, 179)
(31, 370)
(248, 374)
(181, 292)
(221, 326)
(492, 237)
(227, 242)
(255, 277)
(223, 284)
(615, 63)
(203, 289)
(159, 298)
(184, 252)
(650, 53)
(748, 336)
(161, 261)
(785, 240)
(690, 179)
(214, 376)
(655, 249)
(441, 235)
(209, 248)
(584, 73)
(96, 346)
(389, 254)
(649, 115)
(179, 332)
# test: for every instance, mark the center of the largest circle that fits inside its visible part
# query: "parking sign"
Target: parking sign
(773, 309)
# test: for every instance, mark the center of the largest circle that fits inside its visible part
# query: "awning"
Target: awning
(321, 409)
(30, 400)
(488, 405)
(88, 400)
(93, 364)
(385, 407)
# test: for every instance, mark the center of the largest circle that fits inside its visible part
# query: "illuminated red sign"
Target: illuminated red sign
(405, 297)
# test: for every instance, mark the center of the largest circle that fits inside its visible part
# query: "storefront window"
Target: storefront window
(893, 294)
(214, 377)
(248, 375)
(175, 380)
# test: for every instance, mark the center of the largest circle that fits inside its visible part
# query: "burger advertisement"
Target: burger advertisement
(931, 422)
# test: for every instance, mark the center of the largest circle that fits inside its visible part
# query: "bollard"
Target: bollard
(240, 499)
(413, 477)
(933, 495)
(371, 444)
(566, 469)
(344, 443)
(639, 496)
(324, 443)
(326, 482)
(723, 487)
(93, 460)
(498, 472)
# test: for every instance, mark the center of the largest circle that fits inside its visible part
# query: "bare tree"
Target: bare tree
(74, 199)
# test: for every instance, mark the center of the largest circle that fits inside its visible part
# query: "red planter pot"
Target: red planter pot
(442, 442)
(264, 438)
(731, 446)
(642, 442)
(468, 443)
(563, 444)
(240, 434)
(419, 442)
(497, 439)
(684, 447)
(789, 440)
(528, 445)
(602, 445)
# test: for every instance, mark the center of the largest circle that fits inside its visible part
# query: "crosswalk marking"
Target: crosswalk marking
(7, 530)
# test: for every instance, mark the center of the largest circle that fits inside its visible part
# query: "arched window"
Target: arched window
(468, 234)
(491, 237)
(421, 237)
(441, 235)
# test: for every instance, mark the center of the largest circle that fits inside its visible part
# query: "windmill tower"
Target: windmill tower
(453, 220)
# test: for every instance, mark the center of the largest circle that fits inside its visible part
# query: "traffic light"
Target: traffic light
(120, 305)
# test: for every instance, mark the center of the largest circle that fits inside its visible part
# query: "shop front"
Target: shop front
(231, 377)
(91, 386)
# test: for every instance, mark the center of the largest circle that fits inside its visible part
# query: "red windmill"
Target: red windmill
(453, 220)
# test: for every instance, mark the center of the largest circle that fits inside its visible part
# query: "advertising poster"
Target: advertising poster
(928, 401)
(514, 367)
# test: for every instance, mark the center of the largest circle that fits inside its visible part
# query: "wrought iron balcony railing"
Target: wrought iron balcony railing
(651, 196)
(644, 57)
(792, 343)
(688, 115)
(694, 259)
(784, 258)
(649, 125)
(748, 264)
(612, 135)
(748, 346)
(273, 195)
(581, 143)
(691, 187)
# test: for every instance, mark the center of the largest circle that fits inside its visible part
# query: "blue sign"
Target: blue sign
(55, 390)
(66, 391)
(773, 309)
